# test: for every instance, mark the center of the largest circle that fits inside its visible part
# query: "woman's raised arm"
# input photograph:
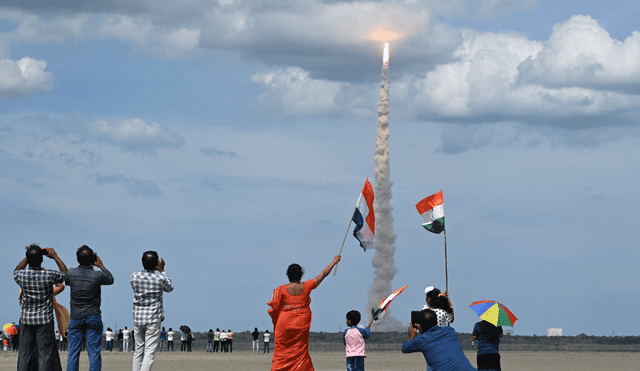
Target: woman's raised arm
(327, 270)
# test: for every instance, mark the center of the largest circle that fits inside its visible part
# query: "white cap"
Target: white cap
(429, 288)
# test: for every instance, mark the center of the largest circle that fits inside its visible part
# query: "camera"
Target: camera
(43, 252)
(415, 317)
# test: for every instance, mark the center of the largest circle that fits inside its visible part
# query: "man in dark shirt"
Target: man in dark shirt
(488, 337)
(86, 318)
(37, 349)
(439, 345)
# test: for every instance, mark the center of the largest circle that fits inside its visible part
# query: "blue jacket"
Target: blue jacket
(441, 349)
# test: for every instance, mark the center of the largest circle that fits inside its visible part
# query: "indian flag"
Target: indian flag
(432, 211)
(364, 217)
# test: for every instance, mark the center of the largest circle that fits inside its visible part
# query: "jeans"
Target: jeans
(37, 349)
(255, 346)
(146, 339)
(91, 328)
(266, 347)
(125, 345)
(209, 346)
(109, 345)
(355, 363)
(162, 344)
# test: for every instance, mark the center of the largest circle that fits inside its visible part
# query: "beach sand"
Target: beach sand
(511, 361)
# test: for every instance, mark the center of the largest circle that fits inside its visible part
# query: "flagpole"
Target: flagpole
(446, 272)
(343, 240)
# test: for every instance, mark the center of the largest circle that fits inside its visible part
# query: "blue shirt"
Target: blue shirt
(441, 349)
(488, 337)
(85, 285)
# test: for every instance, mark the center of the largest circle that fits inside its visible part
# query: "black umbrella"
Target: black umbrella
(185, 328)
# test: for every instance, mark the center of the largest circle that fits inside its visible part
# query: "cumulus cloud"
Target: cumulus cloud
(136, 135)
(580, 53)
(131, 185)
(213, 151)
(23, 77)
(498, 77)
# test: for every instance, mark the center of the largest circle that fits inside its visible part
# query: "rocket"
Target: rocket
(385, 57)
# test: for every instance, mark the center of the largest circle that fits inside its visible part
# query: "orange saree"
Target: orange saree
(291, 319)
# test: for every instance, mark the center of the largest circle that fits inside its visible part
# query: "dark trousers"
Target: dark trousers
(216, 345)
(266, 347)
(170, 344)
(183, 345)
(230, 345)
(488, 361)
(37, 350)
(189, 345)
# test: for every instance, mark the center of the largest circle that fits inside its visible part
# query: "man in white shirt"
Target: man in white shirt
(223, 340)
(125, 339)
(170, 334)
(267, 335)
(109, 338)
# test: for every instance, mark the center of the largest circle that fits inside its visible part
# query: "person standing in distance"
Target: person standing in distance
(488, 336)
(148, 310)
(86, 318)
(266, 335)
(256, 336)
(37, 349)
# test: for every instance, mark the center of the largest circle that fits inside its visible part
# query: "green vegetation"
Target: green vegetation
(392, 341)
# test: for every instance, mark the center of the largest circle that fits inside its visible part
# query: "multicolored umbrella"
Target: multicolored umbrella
(10, 328)
(493, 312)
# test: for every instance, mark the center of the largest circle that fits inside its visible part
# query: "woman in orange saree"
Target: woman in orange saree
(291, 317)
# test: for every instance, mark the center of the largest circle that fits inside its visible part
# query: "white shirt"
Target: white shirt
(170, 335)
(223, 336)
(109, 335)
(125, 334)
(267, 335)
(444, 318)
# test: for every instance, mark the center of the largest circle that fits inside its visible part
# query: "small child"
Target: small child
(354, 341)
(6, 344)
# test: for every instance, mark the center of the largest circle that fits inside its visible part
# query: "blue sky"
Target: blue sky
(233, 137)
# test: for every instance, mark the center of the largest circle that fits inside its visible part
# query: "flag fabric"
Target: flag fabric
(379, 312)
(364, 217)
(432, 211)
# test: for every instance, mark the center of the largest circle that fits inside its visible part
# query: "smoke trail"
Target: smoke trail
(383, 261)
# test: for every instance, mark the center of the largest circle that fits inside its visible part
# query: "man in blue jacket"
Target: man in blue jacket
(439, 345)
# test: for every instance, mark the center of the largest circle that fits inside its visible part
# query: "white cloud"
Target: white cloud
(23, 77)
(484, 82)
(135, 135)
(582, 53)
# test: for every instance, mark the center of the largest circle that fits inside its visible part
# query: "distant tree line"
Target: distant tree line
(392, 341)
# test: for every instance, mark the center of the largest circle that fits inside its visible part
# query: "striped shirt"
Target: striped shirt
(37, 294)
(148, 287)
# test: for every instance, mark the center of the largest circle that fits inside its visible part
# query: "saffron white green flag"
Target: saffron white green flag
(432, 211)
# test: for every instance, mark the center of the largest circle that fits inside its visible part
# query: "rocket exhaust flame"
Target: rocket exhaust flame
(383, 261)
(385, 57)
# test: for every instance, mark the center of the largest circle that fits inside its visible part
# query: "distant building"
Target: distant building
(554, 331)
(508, 332)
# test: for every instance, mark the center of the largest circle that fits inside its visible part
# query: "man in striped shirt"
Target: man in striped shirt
(37, 337)
(148, 312)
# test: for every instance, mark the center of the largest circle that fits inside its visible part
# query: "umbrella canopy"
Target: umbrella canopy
(185, 328)
(493, 312)
(10, 328)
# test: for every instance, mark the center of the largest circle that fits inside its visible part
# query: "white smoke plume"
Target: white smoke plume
(385, 239)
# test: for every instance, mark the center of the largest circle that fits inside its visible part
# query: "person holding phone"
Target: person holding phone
(148, 311)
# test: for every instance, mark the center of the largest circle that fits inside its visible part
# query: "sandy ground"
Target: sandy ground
(511, 361)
